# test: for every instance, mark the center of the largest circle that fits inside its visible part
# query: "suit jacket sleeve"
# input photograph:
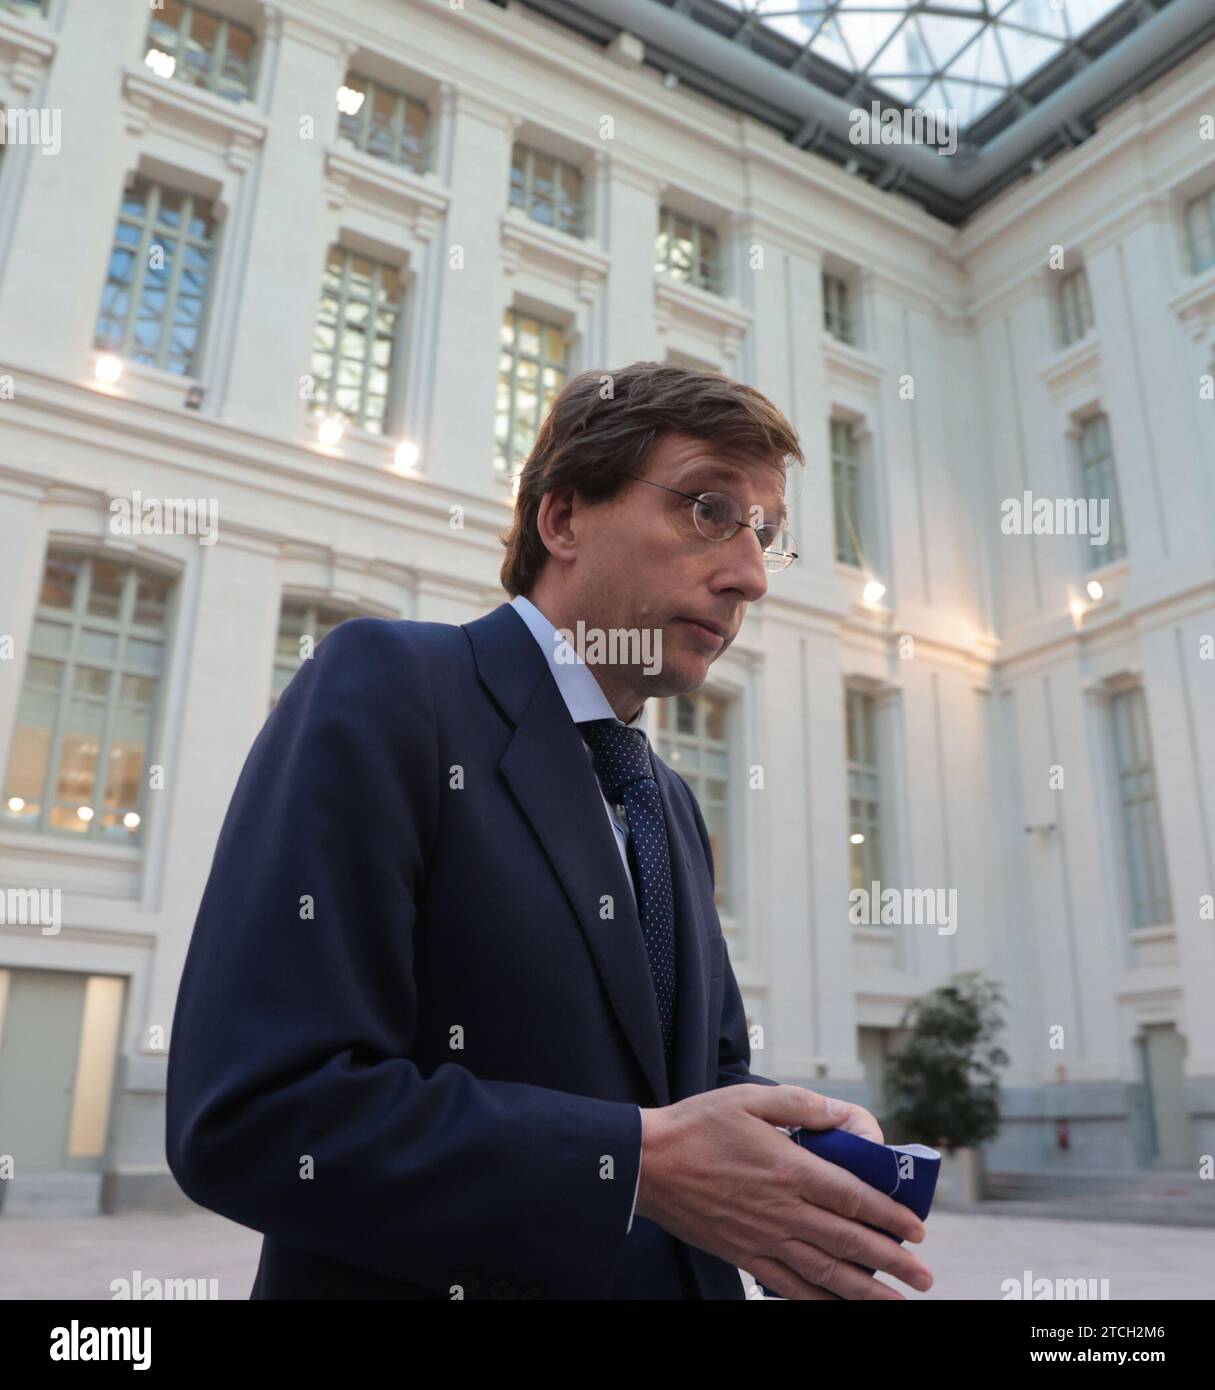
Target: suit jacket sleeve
(734, 1044)
(293, 1106)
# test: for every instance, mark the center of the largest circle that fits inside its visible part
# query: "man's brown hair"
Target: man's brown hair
(603, 425)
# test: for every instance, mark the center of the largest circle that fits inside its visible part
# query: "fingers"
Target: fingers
(859, 1121)
(822, 1270)
(776, 1275)
(793, 1105)
(829, 1186)
(857, 1245)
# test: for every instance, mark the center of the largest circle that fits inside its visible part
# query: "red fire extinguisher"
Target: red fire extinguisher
(1062, 1134)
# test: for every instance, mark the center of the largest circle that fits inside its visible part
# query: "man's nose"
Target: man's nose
(747, 564)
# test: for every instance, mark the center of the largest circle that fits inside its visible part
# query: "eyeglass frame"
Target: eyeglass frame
(697, 497)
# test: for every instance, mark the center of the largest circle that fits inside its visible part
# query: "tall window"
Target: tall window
(87, 705)
(356, 339)
(1073, 307)
(195, 45)
(846, 482)
(549, 190)
(532, 367)
(688, 250)
(864, 788)
(693, 736)
(301, 625)
(25, 6)
(384, 122)
(155, 295)
(1142, 841)
(1099, 480)
(837, 308)
(1200, 231)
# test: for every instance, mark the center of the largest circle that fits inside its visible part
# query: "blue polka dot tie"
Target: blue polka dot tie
(622, 764)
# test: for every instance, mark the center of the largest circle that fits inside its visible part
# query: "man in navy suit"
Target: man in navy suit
(457, 1018)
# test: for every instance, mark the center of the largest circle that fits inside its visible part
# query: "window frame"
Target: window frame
(394, 387)
(668, 740)
(78, 618)
(402, 102)
(848, 484)
(711, 283)
(123, 348)
(505, 464)
(524, 203)
(1141, 843)
(1200, 208)
(218, 55)
(864, 783)
(1073, 308)
(1104, 465)
(839, 318)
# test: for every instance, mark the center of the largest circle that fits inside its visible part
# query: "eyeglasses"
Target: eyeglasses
(718, 517)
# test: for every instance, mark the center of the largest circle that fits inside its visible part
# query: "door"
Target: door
(1162, 1050)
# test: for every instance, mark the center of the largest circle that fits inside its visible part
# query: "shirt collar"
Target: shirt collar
(582, 693)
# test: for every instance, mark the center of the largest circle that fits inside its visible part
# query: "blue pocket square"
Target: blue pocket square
(905, 1172)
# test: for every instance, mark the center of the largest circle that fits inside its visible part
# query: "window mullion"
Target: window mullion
(102, 775)
(215, 71)
(170, 310)
(151, 212)
(339, 328)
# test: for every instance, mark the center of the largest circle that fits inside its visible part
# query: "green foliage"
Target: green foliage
(942, 1087)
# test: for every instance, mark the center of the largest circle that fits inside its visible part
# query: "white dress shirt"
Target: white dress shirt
(584, 698)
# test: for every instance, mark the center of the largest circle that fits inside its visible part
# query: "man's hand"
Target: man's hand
(716, 1174)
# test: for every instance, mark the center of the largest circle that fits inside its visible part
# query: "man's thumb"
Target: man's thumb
(794, 1105)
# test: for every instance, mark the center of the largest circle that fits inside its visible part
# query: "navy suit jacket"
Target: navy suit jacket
(416, 1018)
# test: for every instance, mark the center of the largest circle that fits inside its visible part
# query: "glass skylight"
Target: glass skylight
(960, 55)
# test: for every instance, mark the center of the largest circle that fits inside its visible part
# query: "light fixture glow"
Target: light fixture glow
(85, 812)
(330, 431)
(131, 820)
(16, 803)
(1095, 590)
(856, 838)
(873, 591)
(107, 368)
(407, 454)
(162, 64)
(350, 102)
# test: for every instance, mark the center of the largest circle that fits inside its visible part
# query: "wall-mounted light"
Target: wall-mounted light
(330, 431)
(856, 838)
(406, 454)
(131, 820)
(194, 397)
(350, 102)
(107, 368)
(1095, 590)
(85, 813)
(873, 591)
(162, 64)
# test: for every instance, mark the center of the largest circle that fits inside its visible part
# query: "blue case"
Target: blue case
(906, 1172)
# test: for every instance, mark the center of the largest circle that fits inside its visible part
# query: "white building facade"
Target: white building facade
(421, 220)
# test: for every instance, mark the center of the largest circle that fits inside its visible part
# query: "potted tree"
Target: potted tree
(942, 1085)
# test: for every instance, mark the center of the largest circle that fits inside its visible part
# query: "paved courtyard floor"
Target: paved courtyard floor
(970, 1255)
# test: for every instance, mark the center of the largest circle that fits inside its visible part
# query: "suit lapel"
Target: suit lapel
(547, 769)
